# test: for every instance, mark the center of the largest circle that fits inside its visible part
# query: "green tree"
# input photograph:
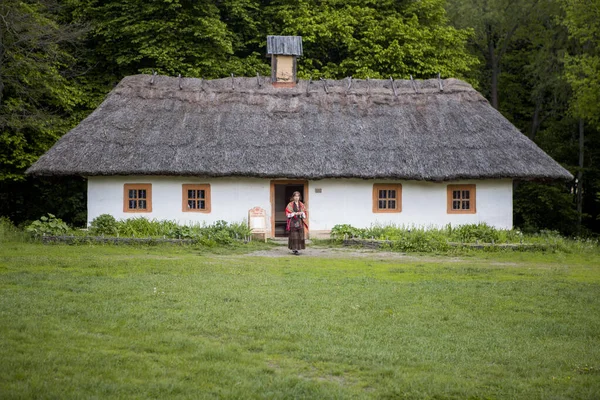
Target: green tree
(582, 71)
(36, 96)
(187, 37)
(496, 24)
(583, 65)
(542, 206)
(373, 38)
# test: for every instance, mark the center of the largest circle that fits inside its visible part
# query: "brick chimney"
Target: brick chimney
(283, 51)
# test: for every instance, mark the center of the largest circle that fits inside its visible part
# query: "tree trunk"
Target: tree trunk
(580, 178)
(535, 123)
(493, 62)
(495, 86)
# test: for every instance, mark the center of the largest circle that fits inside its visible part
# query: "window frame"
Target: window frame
(137, 186)
(387, 186)
(472, 198)
(195, 186)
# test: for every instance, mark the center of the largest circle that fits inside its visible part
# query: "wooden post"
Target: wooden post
(325, 85)
(414, 85)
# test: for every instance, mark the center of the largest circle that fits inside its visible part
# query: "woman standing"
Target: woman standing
(296, 216)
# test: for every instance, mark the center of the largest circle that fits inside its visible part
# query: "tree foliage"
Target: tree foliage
(537, 61)
(36, 96)
(172, 37)
(582, 18)
(374, 38)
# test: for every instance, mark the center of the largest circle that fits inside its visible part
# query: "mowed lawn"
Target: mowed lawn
(176, 322)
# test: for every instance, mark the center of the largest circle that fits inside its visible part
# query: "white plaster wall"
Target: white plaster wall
(345, 201)
(341, 201)
(231, 198)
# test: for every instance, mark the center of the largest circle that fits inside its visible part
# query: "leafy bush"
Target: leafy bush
(345, 230)
(49, 225)
(183, 232)
(219, 233)
(473, 232)
(420, 239)
(143, 227)
(544, 206)
(8, 231)
(104, 224)
(239, 229)
(222, 237)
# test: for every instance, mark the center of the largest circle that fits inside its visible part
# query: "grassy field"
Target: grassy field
(177, 322)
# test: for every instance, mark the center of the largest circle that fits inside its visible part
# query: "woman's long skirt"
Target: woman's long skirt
(296, 239)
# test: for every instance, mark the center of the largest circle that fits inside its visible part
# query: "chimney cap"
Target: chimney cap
(284, 45)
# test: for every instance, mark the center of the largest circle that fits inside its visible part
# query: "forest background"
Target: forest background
(537, 62)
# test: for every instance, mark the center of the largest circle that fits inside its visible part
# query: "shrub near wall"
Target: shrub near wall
(49, 225)
(425, 240)
(461, 233)
(221, 232)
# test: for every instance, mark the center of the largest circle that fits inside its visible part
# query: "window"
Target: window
(461, 199)
(137, 197)
(387, 198)
(196, 198)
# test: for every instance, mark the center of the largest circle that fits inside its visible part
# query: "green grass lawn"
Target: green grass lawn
(175, 322)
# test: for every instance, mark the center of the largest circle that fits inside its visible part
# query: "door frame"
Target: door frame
(287, 182)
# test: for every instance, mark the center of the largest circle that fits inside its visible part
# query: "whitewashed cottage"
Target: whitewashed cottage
(423, 153)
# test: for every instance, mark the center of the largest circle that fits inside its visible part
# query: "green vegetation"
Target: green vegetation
(582, 65)
(38, 101)
(376, 39)
(397, 238)
(418, 239)
(10, 233)
(219, 233)
(177, 322)
(49, 225)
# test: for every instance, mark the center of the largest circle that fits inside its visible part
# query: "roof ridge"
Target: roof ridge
(258, 84)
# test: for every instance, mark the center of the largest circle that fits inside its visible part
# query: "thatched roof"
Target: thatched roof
(325, 129)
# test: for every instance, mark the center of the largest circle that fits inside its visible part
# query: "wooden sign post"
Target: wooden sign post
(257, 221)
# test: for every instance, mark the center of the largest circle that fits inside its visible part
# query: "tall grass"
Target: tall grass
(220, 232)
(423, 239)
(143, 227)
(10, 233)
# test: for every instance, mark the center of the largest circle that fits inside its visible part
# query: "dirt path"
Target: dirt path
(345, 252)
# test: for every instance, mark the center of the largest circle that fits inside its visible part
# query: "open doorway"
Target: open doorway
(281, 193)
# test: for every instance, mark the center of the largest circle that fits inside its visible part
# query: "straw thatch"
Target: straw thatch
(325, 129)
